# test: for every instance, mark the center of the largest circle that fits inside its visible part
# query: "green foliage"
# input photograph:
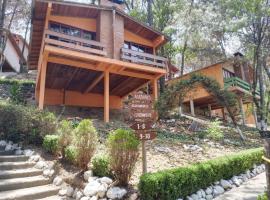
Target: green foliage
(71, 154)
(65, 131)
(51, 143)
(175, 93)
(214, 131)
(263, 197)
(180, 182)
(18, 82)
(123, 151)
(27, 124)
(15, 94)
(101, 166)
(85, 141)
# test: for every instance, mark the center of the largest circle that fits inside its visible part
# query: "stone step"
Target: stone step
(19, 173)
(32, 193)
(13, 158)
(4, 153)
(15, 165)
(25, 182)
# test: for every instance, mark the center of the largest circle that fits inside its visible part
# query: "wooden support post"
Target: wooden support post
(192, 110)
(240, 100)
(223, 114)
(42, 84)
(210, 110)
(155, 89)
(106, 96)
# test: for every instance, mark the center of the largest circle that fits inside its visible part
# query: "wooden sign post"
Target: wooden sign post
(142, 115)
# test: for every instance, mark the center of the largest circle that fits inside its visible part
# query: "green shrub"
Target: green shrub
(51, 143)
(16, 94)
(183, 181)
(263, 197)
(214, 131)
(123, 151)
(85, 141)
(21, 123)
(71, 154)
(100, 166)
(65, 131)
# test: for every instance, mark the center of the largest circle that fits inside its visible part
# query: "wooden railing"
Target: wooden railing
(74, 43)
(143, 58)
(237, 82)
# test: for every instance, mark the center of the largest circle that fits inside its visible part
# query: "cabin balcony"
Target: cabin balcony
(93, 47)
(235, 83)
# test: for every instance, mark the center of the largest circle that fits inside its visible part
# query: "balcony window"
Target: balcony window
(72, 31)
(138, 47)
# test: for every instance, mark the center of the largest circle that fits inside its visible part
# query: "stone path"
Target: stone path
(248, 191)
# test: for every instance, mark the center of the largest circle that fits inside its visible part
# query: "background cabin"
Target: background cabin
(236, 75)
(92, 55)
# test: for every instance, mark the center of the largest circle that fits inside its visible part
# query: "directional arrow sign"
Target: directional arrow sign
(142, 126)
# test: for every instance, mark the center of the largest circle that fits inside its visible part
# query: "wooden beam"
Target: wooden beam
(158, 41)
(141, 86)
(155, 89)
(71, 78)
(85, 65)
(124, 83)
(94, 83)
(106, 96)
(192, 109)
(40, 58)
(42, 84)
(84, 56)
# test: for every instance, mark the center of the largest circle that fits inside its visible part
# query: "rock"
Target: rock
(218, 190)
(28, 152)
(209, 190)
(209, 197)
(87, 175)
(236, 181)
(62, 192)
(135, 196)
(102, 190)
(41, 165)
(203, 193)
(51, 173)
(188, 198)
(199, 194)
(46, 173)
(79, 195)
(225, 184)
(85, 198)
(74, 193)
(195, 197)
(94, 188)
(163, 149)
(3, 143)
(57, 181)
(18, 152)
(106, 180)
(244, 177)
(217, 183)
(116, 193)
(70, 191)
(8, 147)
(248, 174)
(35, 158)
(93, 178)
(94, 198)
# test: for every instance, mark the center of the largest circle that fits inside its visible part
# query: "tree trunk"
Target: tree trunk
(183, 57)
(23, 48)
(150, 13)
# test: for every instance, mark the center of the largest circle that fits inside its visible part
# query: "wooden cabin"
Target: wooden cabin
(92, 55)
(235, 75)
(15, 52)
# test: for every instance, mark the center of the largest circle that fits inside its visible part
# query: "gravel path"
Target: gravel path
(248, 191)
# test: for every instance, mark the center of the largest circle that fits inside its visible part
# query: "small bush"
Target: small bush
(21, 123)
(124, 151)
(51, 143)
(214, 131)
(71, 154)
(100, 166)
(85, 141)
(263, 197)
(65, 131)
(180, 182)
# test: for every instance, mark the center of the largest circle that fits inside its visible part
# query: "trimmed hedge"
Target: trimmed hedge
(181, 182)
(17, 81)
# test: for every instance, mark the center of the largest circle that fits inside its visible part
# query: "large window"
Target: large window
(138, 47)
(228, 74)
(72, 31)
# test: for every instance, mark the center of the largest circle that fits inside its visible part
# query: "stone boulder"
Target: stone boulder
(116, 193)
